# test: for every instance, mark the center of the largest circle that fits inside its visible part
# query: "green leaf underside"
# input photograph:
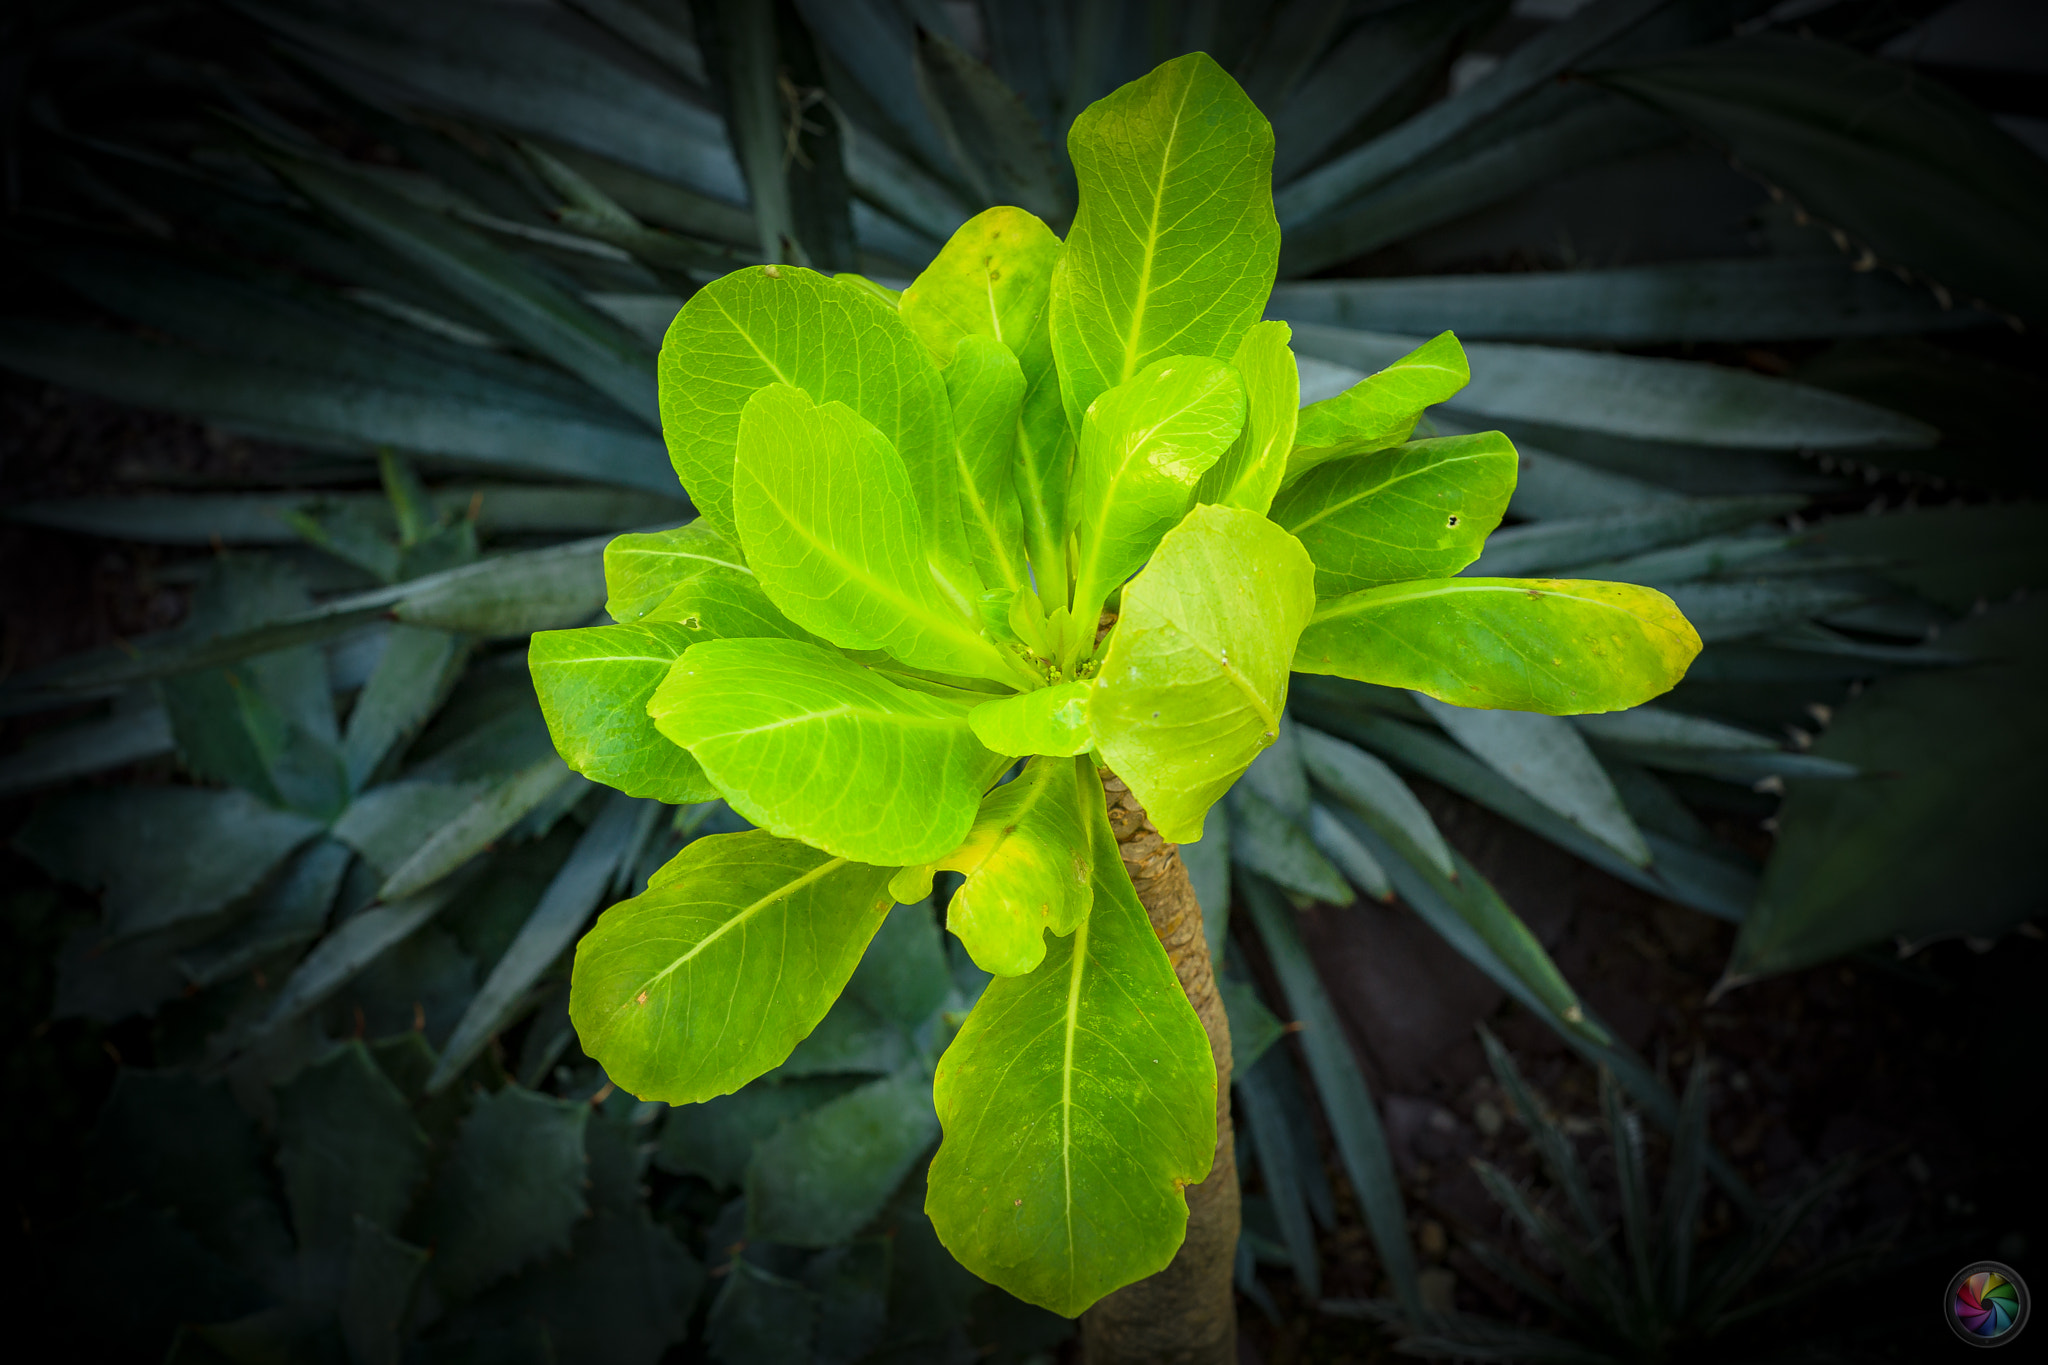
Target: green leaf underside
(727, 961)
(1175, 245)
(991, 279)
(594, 685)
(1558, 646)
(1027, 866)
(1195, 679)
(832, 339)
(1076, 1103)
(1050, 720)
(1251, 470)
(986, 387)
(812, 746)
(826, 516)
(1419, 510)
(1380, 409)
(642, 568)
(1145, 444)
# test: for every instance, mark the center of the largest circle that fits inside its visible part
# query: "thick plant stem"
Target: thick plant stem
(1187, 1313)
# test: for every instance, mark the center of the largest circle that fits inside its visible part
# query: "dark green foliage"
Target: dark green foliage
(349, 1152)
(1649, 1294)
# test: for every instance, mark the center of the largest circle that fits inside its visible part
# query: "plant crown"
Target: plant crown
(1054, 502)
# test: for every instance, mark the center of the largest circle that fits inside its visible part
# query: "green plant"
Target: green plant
(1649, 1294)
(915, 510)
(528, 193)
(353, 951)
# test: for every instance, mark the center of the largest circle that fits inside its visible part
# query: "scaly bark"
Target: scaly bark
(1187, 1313)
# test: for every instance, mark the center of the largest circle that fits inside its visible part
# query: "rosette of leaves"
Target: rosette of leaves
(1052, 509)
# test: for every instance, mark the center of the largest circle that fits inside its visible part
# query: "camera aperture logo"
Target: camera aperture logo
(1987, 1303)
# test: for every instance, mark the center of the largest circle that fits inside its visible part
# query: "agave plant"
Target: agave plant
(505, 205)
(1647, 1294)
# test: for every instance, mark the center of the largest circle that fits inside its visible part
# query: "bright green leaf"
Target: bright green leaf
(1050, 720)
(1251, 470)
(1380, 409)
(594, 685)
(986, 388)
(991, 280)
(827, 520)
(778, 324)
(892, 297)
(1420, 510)
(725, 604)
(1077, 1102)
(642, 568)
(1044, 468)
(811, 746)
(1519, 644)
(1144, 446)
(1175, 244)
(1027, 865)
(718, 970)
(1195, 679)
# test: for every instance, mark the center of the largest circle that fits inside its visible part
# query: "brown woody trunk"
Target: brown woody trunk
(1187, 1313)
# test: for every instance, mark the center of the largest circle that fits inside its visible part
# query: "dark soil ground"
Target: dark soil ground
(1926, 1071)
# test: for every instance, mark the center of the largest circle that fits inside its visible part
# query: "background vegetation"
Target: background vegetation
(1758, 305)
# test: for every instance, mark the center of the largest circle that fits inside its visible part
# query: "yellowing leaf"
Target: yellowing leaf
(991, 279)
(1027, 862)
(1559, 646)
(1077, 1102)
(1195, 678)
